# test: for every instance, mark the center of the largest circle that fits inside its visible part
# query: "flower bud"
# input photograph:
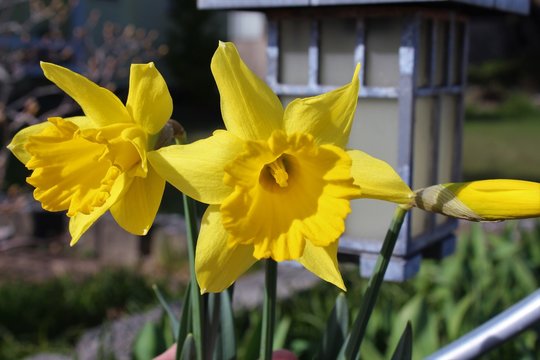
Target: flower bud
(485, 200)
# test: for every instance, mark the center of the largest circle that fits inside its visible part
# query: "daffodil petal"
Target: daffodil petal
(328, 117)
(137, 209)
(197, 169)
(249, 107)
(17, 144)
(149, 101)
(378, 180)
(80, 223)
(217, 264)
(98, 104)
(322, 261)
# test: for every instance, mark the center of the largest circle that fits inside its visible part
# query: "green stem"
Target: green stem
(352, 345)
(195, 293)
(269, 311)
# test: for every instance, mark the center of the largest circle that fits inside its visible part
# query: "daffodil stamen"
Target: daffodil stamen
(279, 172)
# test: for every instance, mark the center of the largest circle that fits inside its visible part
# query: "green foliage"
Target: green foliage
(51, 315)
(150, 341)
(510, 132)
(515, 105)
(496, 71)
(487, 274)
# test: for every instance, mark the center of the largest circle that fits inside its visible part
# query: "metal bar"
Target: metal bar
(272, 53)
(449, 90)
(451, 48)
(306, 90)
(458, 146)
(433, 60)
(408, 59)
(493, 333)
(435, 150)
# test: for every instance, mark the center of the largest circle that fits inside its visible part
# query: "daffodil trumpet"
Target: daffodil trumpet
(484, 200)
(87, 165)
(278, 181)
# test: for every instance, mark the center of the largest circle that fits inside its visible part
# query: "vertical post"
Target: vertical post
(272, 53)
(406, 102)
(313, 54)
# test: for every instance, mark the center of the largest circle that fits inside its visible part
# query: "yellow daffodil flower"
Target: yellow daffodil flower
(278, 181)
(485, 200)
(89, 164)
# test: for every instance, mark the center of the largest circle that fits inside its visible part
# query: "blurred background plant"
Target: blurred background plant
(444, 301)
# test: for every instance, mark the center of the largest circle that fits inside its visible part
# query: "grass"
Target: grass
(502, 142)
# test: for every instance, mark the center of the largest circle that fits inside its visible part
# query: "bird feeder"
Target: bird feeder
(410, 105)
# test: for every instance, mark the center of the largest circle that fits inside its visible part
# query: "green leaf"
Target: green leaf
(280, 335)
(455, 317)
(336, 329)
(172, 318)
(188, 349)
(227, 334)
(252, 344)
(149, 342)
(185, 320)
(404, 347)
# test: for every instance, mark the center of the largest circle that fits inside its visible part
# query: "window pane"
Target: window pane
(382, 48)
(294, 39)
(375, 131)
(338, 38)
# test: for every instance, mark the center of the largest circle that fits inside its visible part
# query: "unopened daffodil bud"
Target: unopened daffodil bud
(485, 200)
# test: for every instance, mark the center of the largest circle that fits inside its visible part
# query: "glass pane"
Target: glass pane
(338, 37)
(382, 48)
(423, 159)
(375, 131)
(424, 53)
(294, 40)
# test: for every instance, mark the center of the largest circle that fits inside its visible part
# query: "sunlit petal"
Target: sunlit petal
(99, 104)
(378, 180)
(137, 208)
(18, 144)
(197, 169)
(149, 102)
(217, 263)
(322, 261)
(328, 117)
(80, 223)
(250, 109)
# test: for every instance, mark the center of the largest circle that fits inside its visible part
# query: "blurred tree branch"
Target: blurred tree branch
(40, 30)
